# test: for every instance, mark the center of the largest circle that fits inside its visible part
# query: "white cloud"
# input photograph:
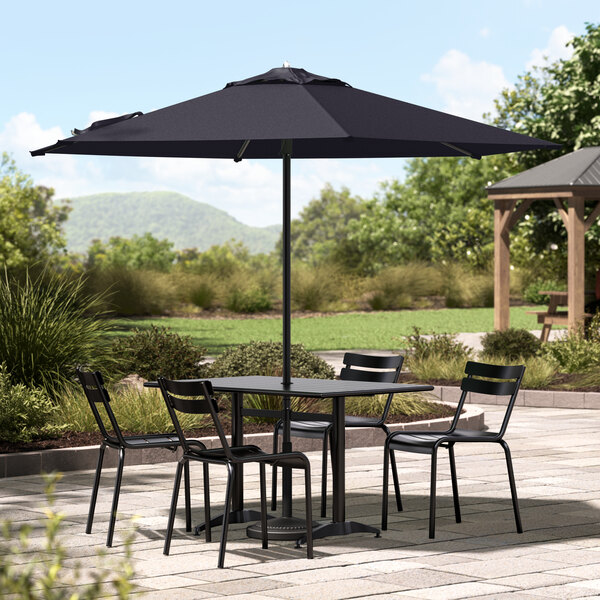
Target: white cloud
(554, 50)
(467, 87)
(485, 32)
(250, 190)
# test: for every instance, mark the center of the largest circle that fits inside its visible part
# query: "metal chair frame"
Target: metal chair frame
(196, 397)
(390, 370)
(478, 380)
(97, 394)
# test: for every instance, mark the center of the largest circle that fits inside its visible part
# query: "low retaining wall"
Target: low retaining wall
(536, 398)
(86, 457)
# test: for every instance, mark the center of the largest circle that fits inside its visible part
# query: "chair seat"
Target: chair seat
(152, 440)
(423, 442)
(293, 459)
(317, 429)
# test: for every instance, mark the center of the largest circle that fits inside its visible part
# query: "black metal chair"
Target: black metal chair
(479, 380)
(97, 395)
(390, 367)
(196, 397)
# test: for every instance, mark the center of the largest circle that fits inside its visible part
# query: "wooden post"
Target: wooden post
(502, 212)
(576, 261)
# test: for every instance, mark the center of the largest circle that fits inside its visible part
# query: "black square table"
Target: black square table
(287, 527)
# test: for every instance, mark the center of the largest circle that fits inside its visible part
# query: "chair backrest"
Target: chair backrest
(495, 380)
(389, 368)
(97, 394)
(192, 397)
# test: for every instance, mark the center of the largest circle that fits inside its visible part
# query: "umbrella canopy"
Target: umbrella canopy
(325, 118)
(290, 112)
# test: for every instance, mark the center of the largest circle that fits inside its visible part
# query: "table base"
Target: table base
(281, 529)
(339, 528)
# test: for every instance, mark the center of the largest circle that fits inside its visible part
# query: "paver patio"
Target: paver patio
(557, 466)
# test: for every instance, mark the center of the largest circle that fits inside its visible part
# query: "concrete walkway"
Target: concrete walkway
(557, 465)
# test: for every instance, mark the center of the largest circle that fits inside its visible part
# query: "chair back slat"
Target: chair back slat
(473, 383)
(482, 386)
(366, 361)
(359, 375)
(178, 397)
(391, 365)
(96, 393)
(493, 371)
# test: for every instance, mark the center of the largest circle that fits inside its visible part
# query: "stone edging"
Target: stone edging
(86, 457)
(535, 398)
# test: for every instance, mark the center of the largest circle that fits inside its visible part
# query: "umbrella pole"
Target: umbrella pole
(286, 151)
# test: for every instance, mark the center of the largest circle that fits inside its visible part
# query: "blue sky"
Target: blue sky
(69, 63)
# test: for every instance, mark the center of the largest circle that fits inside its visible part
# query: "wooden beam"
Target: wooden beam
(562, 211)
(592, 217)
(502, 212)
(576, 262)
(518, 213)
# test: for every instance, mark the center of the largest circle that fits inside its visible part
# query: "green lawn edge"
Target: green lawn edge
(376, 331)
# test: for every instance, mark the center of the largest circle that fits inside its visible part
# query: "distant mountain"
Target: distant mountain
(181, 220)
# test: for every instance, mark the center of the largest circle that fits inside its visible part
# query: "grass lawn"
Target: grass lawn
(377, 330)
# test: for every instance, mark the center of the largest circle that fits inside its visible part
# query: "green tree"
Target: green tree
(138, 252)
(319, 234)
(30, 225)
(440, 212)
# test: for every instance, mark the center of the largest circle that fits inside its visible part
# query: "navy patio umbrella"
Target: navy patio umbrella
(287, 113)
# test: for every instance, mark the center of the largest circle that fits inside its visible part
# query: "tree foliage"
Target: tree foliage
(319, 234)
(30, 225)
(138, 252)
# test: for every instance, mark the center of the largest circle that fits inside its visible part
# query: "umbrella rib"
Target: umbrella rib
(241, 151)
(461, 150)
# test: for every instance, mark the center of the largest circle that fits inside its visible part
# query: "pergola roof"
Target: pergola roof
(578, 171)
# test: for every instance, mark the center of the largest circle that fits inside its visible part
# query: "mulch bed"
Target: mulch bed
(74, 439)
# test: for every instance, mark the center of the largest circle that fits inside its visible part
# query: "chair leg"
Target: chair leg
(188, 499)
(175, 496)
(207, 527)
(386, 480)
(454, 483)
(115, 502)
(274, 480)
(513, 487)
(226, 516)
(394, 474)
(88, 528)
(263, 506)
(432, 494)
(324, 478)
(308, 500)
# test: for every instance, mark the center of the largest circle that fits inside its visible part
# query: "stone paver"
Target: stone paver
(557, 467)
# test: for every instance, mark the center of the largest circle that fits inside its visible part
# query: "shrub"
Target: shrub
(266, 358)
(511, 344)
(133, 292)
(441, 345)
(47, 326)
(314, 288)
(437, 367)
(202, 295)
(402, 404)
(463, 288)
(158, 351)
(250, 300)
(44, 576)
(573, 353)
(25, 413)
(396, 287)
(539, 371)
(531, 292)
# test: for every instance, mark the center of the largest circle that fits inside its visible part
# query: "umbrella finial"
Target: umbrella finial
(286, 64)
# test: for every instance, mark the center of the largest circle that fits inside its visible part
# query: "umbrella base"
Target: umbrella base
(281, 529)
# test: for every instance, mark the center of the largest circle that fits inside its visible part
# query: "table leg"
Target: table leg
(339, 525)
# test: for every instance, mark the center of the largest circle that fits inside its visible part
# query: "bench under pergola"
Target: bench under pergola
(570, 181)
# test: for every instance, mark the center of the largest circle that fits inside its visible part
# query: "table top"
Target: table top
(556, 294)
(310, 388)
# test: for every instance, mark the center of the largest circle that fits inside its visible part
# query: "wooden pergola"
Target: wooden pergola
(569, 181)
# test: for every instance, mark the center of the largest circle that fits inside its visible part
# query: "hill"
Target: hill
(183, 221)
